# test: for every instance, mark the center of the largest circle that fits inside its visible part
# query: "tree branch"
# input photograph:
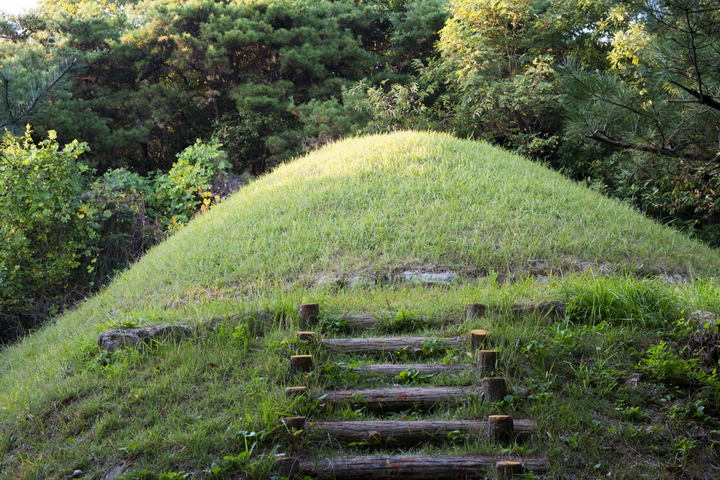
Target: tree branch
(602, 138)
(701, 98)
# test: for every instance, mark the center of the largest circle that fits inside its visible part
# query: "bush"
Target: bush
(53, 221)
(45, 229)
(185, 189)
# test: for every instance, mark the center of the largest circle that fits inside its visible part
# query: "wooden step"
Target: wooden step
(400, 398)
(394, 369)
(404, 467)
(388, 344)
(394, 432)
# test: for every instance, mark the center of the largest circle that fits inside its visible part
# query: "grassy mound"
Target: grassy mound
(367, 208)
(380, 205)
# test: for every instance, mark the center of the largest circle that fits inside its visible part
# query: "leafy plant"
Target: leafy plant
(185, 189)
(402, 321)
(46, 229)
(412, 375)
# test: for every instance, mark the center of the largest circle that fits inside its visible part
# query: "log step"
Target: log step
(400, 398)
(405, 467)
(388, 344)
(393, 433)
(394, 369)
(358, 322)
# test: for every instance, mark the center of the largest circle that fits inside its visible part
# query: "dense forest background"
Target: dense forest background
(123, 119)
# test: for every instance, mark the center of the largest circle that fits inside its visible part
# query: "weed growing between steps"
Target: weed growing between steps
(612, 396)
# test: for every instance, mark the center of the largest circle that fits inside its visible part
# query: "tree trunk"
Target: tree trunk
(296, 391)
(393, 433)
(403, 467)
(386, 344)
(305, 336)
(359, 322)
(400, 398)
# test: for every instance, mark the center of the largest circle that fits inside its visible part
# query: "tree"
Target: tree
(496, 66)
(656, 109)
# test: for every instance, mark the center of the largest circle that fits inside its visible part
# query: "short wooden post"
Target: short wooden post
(477, 338)
(500, 428)
(294, 424)
(301, 364)
(506, 470)
(374, 438)
(494, 389)
(309, 314)
(474, 310)
(487, 360)
(287, 467)
(296, 391)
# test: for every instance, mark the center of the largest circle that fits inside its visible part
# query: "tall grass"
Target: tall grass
(623, 300)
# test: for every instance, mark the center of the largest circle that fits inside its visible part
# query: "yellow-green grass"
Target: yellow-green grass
(377, 206)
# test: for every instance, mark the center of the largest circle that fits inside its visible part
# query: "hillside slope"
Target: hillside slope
(369, 208)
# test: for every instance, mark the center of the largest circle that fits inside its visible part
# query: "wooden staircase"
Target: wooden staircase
(395, 434)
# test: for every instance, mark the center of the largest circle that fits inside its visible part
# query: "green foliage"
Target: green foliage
(397, 107)
(653, 111)
(498, 78)
(45, 225)
(122, 203)
(667, 367)
(185, 189)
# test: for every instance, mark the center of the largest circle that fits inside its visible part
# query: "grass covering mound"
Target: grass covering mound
(375, 207)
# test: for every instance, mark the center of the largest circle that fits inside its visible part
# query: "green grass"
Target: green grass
(512, 230)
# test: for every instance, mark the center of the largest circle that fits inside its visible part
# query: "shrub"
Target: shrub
(45, 229)
(185, 189)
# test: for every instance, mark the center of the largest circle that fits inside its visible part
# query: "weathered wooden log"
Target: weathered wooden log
(477, 338)
(400, 398)
(387, 344)
(487, 360)
(506, 470)
(359, 322)
(500, 428)
(474, 310)
(494, 389)
(394, 369)
(404, 467)
(301, 364)
(392, 433)
(309, 314)
(296, 391)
